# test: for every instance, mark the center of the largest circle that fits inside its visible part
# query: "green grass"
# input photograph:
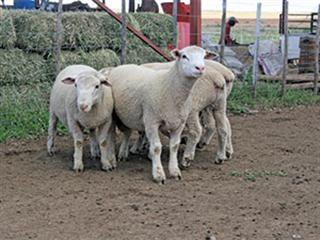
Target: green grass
(252, 176)
(24, 112)
(244, 34)
(268, 96)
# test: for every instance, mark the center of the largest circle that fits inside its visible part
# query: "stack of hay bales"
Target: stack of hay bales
(88, 38)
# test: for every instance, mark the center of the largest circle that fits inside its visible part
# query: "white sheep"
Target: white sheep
(148, 100)
(208, 126)
(81, 98)
(208, 100)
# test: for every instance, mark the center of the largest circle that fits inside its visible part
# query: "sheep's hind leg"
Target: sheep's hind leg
(193, 137)
(138, 145)
(106, 143)
(222, 129)
(208, 130)
(229, 147)
(124, 147)
(94, 146)
(52, 132)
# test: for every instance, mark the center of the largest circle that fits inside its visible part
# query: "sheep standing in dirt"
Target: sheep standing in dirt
(209, 100)
(148, 100)
(81, 98)
(208, 125)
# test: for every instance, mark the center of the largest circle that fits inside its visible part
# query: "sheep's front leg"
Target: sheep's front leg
(222, 129)
(94, 146)
(152, 133)
(124, 147)
(78, 145)
(175, 138)
(193, 137)
(106, 144)
(229, 147)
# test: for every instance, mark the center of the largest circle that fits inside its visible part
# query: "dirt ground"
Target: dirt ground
(41, 198)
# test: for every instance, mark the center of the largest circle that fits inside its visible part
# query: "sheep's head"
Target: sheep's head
(190, 61)
(89, 88)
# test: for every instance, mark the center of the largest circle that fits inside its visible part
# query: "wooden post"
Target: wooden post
(195, 22)
(285, 52)
(123, 33)
(58, 38)
(223, 29)
(175, 17)
(256, 52)
(132, 5)
(316, 68)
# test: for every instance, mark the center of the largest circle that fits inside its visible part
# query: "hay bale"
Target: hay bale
(82, 31)
(157, 27)
(20, 68)
(96, 59)
(7, 32)
(35, 30)
(140, 54)
(112, 32)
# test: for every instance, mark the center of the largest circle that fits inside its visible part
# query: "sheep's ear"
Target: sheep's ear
(106, 82)
(69, 80)
(106, 71)
(176, 53)
(211, 55)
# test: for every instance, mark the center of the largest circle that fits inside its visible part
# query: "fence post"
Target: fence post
(58, 38)
(175, 16)
(223, 29)
(285, 52)
(316, 68)
(131, 5)
(123, 33)
(256, 52)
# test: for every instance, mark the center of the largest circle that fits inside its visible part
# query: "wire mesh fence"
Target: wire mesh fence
(28, 41)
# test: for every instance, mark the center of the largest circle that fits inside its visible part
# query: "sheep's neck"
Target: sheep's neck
(178, 87)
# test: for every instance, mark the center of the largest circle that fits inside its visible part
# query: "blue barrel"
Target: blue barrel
(23, 4)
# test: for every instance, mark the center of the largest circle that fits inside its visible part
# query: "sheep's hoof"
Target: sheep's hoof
(107, 168)
(185, 163)
(159, 176)
(218, 161)
(52, 151)
(122, 158)
(175, 173)
(78, 170)
(201, 146)
(228, 155)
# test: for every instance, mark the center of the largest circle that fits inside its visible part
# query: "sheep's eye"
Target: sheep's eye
(97, 86)
(75, 85)
(185, 57)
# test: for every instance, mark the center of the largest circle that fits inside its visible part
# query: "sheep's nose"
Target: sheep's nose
(84, 107)
(200, 68)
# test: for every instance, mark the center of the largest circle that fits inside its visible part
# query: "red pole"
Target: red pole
(133, 30)
(195, 22)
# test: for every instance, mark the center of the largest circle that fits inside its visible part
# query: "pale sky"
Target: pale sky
(232, 5)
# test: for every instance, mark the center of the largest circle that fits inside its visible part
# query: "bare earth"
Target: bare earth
(41, 198)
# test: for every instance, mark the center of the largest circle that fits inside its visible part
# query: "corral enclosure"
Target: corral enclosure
(268, 191)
